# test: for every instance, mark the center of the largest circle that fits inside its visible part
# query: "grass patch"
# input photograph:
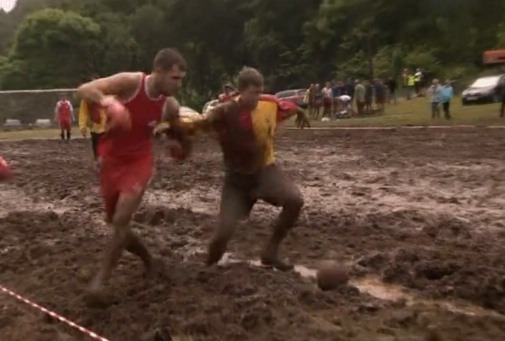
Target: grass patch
(50, 133)
(415, 112)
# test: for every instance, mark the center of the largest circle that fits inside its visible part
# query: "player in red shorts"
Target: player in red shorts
(125, 155)
(64, 116)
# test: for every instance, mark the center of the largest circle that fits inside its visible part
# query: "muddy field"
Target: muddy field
(417, 216)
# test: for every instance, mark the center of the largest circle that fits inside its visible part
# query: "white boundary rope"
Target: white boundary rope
(35, 91)
(74, 325)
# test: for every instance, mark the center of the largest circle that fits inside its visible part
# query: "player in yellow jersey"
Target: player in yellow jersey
(245, 128)
(92, 119)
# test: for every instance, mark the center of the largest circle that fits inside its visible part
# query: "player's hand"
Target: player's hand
(84, 132)
(118, 117)
(160, 129)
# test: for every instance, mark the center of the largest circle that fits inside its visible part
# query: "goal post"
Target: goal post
(30, 105)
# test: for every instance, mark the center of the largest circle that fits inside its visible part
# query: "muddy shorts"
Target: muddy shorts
(123, 176)
(240, 192)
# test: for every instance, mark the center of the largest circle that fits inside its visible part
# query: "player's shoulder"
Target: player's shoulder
(268, 98)
(125, 78)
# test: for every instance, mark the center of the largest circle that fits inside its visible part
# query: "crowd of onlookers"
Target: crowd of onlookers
(351, 98)
(364, 97)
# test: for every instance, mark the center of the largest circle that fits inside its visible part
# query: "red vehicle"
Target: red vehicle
(296, 96)
(493, 57)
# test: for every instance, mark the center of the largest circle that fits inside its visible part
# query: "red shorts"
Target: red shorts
(123, 176)
(65, 125)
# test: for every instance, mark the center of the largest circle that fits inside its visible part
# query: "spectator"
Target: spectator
(500, 92)
(447, 93)
(335, 91)
(368, 96)
(434, 95)
(310, 99)
(380, 95)
(318, 99)
(350, 90)
(359, 95)
(327, 100)
(392, 85)
(418, 78)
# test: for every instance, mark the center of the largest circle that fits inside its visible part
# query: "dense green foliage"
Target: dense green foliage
(53, 43)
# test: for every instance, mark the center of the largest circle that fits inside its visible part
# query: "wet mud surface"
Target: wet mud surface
(416, 215)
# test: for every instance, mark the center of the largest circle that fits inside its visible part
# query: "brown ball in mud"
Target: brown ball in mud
(331, 275)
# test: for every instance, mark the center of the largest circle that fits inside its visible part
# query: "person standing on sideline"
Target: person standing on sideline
(447, 93)
(392, 85)
(359, 95)
(500, 92)
(434, 94)
(64, 116)
(380, 95)
(327, 100)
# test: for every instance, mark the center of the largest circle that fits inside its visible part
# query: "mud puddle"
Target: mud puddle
(373, 286)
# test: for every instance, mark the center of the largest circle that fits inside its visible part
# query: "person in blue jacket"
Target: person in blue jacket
(446, 94)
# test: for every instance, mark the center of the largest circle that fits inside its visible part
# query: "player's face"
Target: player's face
(251, 95)
(169, 81)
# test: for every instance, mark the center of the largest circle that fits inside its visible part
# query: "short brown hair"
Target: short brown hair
(166, 58)
(249, 76)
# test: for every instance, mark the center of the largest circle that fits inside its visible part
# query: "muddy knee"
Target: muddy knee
(121, 219)
(294, 203)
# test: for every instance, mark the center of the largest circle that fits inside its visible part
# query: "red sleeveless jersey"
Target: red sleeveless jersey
(64, 111)
(145, 115)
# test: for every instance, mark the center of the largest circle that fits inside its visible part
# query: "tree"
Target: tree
(55, 48)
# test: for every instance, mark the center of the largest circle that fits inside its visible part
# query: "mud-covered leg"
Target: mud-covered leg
(235, 204)
(122, 238)
(278, 190)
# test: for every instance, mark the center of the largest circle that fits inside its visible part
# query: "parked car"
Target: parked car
(296, 96)
(483, 90)
(210, 105)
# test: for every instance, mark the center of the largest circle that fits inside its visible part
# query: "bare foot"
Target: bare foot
(217, 248)
(94, 295)
(155, 269)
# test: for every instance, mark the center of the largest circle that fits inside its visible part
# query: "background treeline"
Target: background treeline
(60, 43)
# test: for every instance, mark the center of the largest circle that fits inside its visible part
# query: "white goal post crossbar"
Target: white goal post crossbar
(36, 91)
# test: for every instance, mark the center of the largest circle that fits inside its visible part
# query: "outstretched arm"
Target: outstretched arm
(203, 124)
(286, 110)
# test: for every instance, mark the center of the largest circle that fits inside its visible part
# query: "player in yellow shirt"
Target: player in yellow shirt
(245, 128)
(92, 119)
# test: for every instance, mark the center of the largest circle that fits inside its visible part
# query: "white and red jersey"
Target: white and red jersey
(64, 111)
